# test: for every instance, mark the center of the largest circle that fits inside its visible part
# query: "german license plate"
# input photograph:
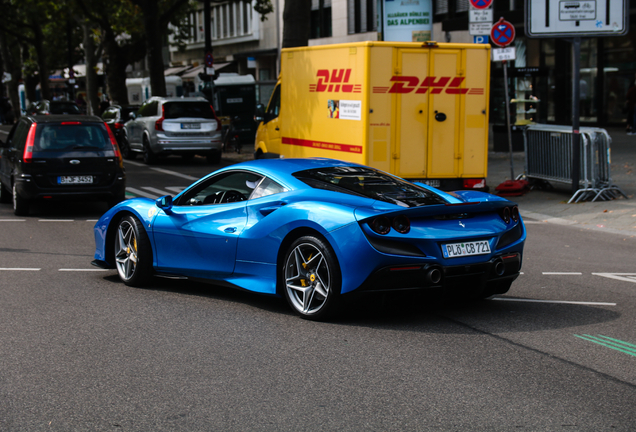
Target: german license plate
(432, 183)
(454, 250)
(190, 125)
(74, 179)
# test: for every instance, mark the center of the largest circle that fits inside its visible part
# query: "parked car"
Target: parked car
(182, 126)
(53, 157)
(115, 116)
(45, 107)
(313, 230)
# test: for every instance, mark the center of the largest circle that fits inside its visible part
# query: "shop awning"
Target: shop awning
(176, 70)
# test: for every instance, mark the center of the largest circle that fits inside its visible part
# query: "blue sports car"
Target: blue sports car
(315, 230)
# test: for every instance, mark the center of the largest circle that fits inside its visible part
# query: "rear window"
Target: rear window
(371, 184)
(173, 110)
(64, 108)
(71, 137)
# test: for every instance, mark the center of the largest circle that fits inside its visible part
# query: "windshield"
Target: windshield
(71, 137)
(173, 110)
(370, 183)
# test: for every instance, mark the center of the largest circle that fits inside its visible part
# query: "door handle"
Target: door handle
(230, 230)
(277, 128)
(267, 210)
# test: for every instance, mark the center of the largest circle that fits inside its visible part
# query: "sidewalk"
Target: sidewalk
(617, 216)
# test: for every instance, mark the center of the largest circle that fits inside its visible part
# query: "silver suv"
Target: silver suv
(163, 126)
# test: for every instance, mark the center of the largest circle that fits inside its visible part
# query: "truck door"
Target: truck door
(272, 123)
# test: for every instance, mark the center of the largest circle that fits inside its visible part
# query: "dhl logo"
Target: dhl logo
(336, 80)
(408, 84)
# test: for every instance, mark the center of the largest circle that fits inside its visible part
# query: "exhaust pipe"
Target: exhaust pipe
(500, 267)
(434, 276)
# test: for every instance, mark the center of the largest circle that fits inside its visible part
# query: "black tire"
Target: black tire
(214, 157)
(124, 147)
(5, 194)
(311, 279)
(20, 205)
(133, 253)
(149, 157)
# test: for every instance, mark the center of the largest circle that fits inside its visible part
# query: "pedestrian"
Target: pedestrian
(630, 104)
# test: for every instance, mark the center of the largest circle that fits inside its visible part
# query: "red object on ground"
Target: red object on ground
(513, 188)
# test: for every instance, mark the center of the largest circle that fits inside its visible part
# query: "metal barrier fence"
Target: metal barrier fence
(549, 157)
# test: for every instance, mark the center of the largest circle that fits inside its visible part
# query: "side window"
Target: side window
(142, 110)
(267, 187)
(20, 135)
(223, 188)
(109, 114)
(148, 109)
(273, 109)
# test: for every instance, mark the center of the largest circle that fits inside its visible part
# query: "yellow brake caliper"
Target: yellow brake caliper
(303, 282)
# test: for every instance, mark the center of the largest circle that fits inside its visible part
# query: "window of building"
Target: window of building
(320, 19)
(361, 16)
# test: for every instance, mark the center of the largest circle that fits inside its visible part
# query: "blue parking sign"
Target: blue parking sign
(482, 39)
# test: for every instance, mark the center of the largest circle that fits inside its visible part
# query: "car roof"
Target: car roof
(56, 118)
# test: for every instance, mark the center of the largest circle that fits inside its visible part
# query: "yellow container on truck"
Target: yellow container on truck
(417, 110)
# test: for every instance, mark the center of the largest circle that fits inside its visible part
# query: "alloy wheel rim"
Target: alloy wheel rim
(126, 256)
(307, 278)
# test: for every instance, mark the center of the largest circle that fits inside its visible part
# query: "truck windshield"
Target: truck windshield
(369, 183)
(173, 110)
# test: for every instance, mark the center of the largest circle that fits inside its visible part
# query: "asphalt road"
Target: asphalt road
(81, 351)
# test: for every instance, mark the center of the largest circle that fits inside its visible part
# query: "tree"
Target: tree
(12, 64)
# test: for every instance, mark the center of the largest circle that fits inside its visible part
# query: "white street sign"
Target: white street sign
(501, 54)
(479, 29)
(6, 77)
(480, 15)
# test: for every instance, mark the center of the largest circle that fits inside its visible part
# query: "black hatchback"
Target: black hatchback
(51, 157)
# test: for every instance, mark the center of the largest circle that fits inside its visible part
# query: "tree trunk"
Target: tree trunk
(92, 99)
(296, 23)
(115, 69)
(11, 60)
(155, 48)
(43, 67)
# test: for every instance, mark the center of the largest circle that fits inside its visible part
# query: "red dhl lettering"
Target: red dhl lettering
(434, 85)
(336, 80)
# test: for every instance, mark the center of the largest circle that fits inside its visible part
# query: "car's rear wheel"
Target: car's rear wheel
(5, 194)
(133, 254)
(149, 156)
(311, 276)
(124, 147)
(20, 205)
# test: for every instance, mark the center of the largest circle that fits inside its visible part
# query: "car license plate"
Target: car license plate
(190, 125)
(454, 250)
(74, 179)
(432, 183)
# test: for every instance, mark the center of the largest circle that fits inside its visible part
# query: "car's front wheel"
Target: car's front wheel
(126, 152)
(20, 205)
(133, 254)
(311, 277)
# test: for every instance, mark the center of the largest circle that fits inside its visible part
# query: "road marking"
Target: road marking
(135, 163)
(12, 220)
(562, 273)
(625, 277)
(155, 190)
(529, 222)
(20, 269)
(615, 344)
(554, 301)
(174, 173)
(83, 270)
(175, 189)
(141, 193)
(56, 220)
(92, 220)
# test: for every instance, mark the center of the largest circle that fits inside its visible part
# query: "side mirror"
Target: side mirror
(165, 203)
(259, 114)
(132, 115)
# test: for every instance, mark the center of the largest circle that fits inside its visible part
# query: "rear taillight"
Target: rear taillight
(70, 123)
(508, 213)
(515, 214)
(381, 225)
(474, 183)
(218, 122)
(27, 156)
(118, 125)
(401, 224)
(159, 123)
(113, 142)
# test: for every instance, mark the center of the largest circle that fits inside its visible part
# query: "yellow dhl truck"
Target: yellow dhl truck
(417, 110)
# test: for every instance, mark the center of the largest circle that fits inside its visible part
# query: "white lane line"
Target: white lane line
(174, 173)
(92, 220)
(562, 273)
(625, 277)
(555, 301)
(12, 220)
(141, 193)
(529, 222)
(83, 270)
(175, 189)
(56, 220)
(20, 269)
(155, 190)
(135, 163)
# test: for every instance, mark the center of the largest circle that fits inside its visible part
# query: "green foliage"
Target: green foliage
(263, 7)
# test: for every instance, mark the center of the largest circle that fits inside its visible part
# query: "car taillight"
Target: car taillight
(514, 213)
(70, 123)
(118, 125)
(27, 156)
(505, 214)
(113, 142)
(381, 225)
(218, 122)
(159, 123)
(474, 183)
(401, 224)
